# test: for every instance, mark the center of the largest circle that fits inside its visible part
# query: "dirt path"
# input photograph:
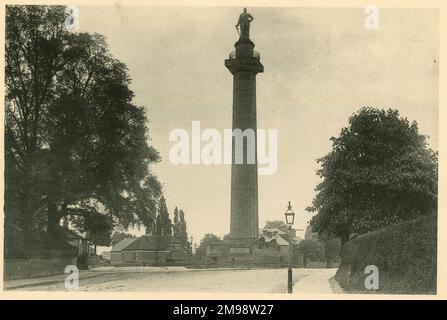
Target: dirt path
(198, 280)
(316, 281)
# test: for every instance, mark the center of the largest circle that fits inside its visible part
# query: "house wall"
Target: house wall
(146, 256)
(30, 268)
(162, 256)
(128, 256)
(270, 251)
(284, 251)
(93, 261)
(178, 255)
(116, 258)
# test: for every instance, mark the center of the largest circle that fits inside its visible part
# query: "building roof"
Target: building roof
(279, 240)
(273, 229)
(123, 244)
(297, 240)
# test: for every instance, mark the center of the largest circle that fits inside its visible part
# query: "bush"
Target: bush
(405, 254)
(311, 249)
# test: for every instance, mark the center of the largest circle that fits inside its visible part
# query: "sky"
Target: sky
(320, 66)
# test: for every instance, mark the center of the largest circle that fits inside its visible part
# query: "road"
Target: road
(144, 279)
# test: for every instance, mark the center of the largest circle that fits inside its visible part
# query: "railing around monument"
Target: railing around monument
(255, 55)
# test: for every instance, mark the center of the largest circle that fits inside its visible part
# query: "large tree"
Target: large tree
(311, 249)
(327, 246)
(75, 144)
(183, 232)
(118, 236)
(163, 224)
(207, 239)
(280, 225)
(37, 50)
(176, 226)
(380, 171)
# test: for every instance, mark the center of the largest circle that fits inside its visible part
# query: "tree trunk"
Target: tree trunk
(26, 208)
(53, 219)
(343, 238)
(26, 220)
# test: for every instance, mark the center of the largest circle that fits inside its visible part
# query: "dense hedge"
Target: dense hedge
(405, 254)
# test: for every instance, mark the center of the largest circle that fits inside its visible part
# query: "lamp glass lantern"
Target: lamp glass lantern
(290, 215)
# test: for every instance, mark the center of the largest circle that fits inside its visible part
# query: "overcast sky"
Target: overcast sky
(321, 65)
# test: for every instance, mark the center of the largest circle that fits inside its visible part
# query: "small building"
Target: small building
(105, 255)
(274, 241)
(116, 254)
(86, 248)
(148, 250)
(76, 240)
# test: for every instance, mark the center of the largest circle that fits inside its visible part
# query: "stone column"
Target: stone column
(244, 64)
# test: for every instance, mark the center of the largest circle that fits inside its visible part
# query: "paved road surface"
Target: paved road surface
(140, 279)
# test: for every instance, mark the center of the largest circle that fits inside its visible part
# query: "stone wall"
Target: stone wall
(31, 268)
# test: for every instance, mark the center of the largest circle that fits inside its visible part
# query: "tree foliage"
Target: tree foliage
(324, 247)
(379, 171)
(180, 229)
(98, 228)
(75, 144)
(280, 225)
(311, 249)
(163, 224)
(207, 239)
(176, 225)
(117, 236)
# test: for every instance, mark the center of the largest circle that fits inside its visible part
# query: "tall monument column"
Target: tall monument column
(244, 64)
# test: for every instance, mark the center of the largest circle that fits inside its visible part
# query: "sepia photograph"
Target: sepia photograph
(243, 149)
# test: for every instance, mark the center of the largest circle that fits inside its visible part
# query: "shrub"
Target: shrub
(405, 254)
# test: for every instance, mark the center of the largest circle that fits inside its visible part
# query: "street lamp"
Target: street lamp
(290, 218)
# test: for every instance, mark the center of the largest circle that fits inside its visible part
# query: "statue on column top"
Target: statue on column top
(244, 23)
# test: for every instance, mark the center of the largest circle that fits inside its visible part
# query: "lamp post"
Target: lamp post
(290, 217)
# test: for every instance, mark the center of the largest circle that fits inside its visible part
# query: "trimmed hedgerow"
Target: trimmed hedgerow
(404, 253)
